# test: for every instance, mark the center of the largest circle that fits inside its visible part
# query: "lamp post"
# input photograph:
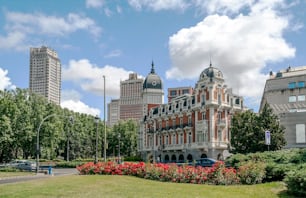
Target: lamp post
(68, 135)
(105, 143)
(37, 140)
(119, 161)
(96, 155)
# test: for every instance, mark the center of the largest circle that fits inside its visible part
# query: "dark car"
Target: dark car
(27, 166)
(205, 162)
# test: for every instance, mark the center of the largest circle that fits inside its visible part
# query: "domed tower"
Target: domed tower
(210, 75)
(153, 88)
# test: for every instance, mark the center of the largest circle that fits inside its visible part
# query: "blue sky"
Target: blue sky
(245, 39)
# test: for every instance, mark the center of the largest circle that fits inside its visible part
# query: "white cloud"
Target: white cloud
(20, 27)
(222, 6)
(79, 106)
(240, 47)
(94, 3)
(90, 77)
(114, 53)
(158, 5)
(5, 82)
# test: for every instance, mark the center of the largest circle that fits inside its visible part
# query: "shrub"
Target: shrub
(251, 172)
(71, 164)
(296, 182)
(133, 159)
(218, 174)
(9, 169)
(277, 172)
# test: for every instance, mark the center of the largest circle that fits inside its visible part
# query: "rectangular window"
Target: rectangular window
(173, 93)
(292, 98)
(300, 133)
(200, 136)
(185, 91)
(301, 98)
(291, 85)
(301, 84)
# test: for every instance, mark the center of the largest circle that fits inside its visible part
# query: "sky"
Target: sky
(245, 39)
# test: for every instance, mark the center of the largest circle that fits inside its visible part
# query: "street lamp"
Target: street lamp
(37, 139)
(119, 161)
(68, 135)
(96, 156)
(105, 144)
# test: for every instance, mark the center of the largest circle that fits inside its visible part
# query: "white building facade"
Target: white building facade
(191, 126)
(45, 73)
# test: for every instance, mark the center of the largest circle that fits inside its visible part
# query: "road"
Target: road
(55, 172)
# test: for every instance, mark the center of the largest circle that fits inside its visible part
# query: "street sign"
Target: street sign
(267, 137)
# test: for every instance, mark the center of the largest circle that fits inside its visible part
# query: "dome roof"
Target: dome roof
(211, 72)
(152, 81)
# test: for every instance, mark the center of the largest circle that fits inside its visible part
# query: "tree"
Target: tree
(248, 131)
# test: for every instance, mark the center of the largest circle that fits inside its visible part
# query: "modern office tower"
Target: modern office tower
(113, 112)
(130, 102)
(178, 91)
(285, 92)
(191, 126)
(45, 73)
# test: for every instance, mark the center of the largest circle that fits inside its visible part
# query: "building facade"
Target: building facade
(191, 126)
(178, 91)
(45, 73)
(285, 92)
(137, 95)
(131, 102)
(113, 113)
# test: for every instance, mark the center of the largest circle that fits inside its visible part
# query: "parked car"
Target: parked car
(15, 163)
(205, 162)
(27, 165)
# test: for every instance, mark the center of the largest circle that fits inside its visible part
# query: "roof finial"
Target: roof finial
(152, 69)
(210, 60)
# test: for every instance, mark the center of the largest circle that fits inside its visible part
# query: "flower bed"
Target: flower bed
(218, 174)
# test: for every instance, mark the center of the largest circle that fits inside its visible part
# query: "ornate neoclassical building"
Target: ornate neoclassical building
(191, 126)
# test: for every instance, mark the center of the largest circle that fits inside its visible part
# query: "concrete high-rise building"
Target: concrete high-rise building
(113, 112)
(130, 101)
(285, 92)
(137, 95)
(191, 126)
(45, 73)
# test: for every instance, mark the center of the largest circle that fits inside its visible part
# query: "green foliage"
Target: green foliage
(251, 172)
(278, 163)
(133, 159)
(125, 134)
(22, 113)
(9, 169)
(296, 181)
(248, 131)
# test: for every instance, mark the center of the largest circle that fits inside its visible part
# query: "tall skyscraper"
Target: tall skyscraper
(131, 98)
(45, 73)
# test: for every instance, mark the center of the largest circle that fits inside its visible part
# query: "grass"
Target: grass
(14, 174)
(108, 186)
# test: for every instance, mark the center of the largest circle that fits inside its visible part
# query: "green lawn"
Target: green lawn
(14, 174)
(127, 186)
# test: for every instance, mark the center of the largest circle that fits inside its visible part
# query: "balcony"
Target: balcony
(173, 147)
(202, 124)
(221, 123)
